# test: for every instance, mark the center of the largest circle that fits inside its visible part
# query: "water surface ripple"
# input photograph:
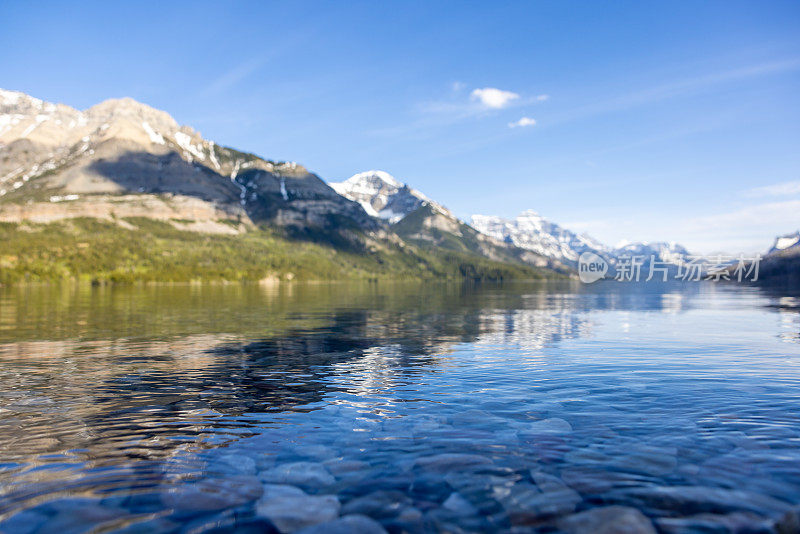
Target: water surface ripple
(412, 408)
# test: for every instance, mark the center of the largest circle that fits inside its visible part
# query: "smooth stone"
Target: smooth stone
(81, 518)
(647, 460)
(594, 480)
(272, 491)
(471, 418)
(424, 425)
(409, 515)
(712, 523)
(458, 504)
(553, 425)
(429, 486)
(700, 499)
(290, 511)
(339, 467)
(317, 452)
(527, 504)
(308, 474)
(378, 504)
(461, 481)
(348, 524)
(547, 482)
(449, 461)
(607, 520)
(213, 494)
(234, 463)
(789, 523)
(231, 525)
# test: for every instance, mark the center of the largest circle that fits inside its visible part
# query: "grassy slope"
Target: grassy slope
(90, 249)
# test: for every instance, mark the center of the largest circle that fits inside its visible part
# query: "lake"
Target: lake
(406, 407)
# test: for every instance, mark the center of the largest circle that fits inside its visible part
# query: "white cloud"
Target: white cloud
(775, 190)
(542, 98)
(493, 98)
(522, 123)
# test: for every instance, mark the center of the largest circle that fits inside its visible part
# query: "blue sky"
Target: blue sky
(644, 120)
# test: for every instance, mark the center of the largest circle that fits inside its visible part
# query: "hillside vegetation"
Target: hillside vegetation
(141, 249)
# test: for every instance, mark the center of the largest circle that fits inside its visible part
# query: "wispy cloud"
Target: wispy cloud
(522, 123)
(240, 72)
(493, 98)
(233, 76)
(774, 190)
(680, 88)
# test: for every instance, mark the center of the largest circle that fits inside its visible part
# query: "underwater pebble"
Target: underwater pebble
(308, 474)
(213, 494)
(349, 524)
(458, 504)
(291, 509)
(450, 461)
(607, 520)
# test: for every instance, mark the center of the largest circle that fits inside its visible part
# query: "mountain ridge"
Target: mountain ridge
(531, 231)
(124, 163)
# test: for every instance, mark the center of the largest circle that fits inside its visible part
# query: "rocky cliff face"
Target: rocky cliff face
(122, 149)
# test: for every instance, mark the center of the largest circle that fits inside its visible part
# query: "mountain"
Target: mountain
(785, 242)
(662, 251)
(381, 195)
(431, 227)
(781, 264)
(121, 191)
(533, 232)
(57, 162)
(428, 224)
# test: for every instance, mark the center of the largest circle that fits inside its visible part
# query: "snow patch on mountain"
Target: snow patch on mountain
(382, 195)
(785, 241)
(533, 232)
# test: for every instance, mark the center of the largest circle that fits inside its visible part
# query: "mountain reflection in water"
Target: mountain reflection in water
(119, 397)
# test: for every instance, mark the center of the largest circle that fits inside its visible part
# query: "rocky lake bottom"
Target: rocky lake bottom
(549, 407)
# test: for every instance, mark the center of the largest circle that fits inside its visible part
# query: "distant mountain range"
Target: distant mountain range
(383, 196)
(122, 161)
(428, 224)
(532, 232)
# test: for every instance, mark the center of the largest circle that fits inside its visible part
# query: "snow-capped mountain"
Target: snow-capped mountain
(780, 266)
(785, 242)
(418, 219)
(381, 195)
(126, 158)
(533, 232)
(665, 252)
